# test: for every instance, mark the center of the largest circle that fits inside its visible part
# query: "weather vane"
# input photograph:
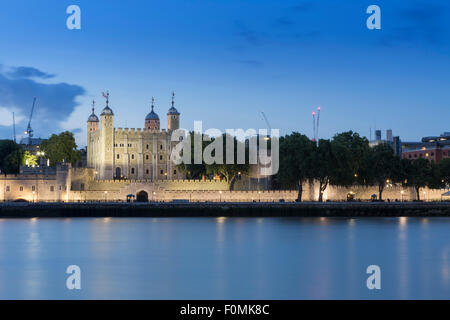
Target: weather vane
(106, 96)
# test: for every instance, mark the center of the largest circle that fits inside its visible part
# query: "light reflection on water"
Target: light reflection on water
(225, 258)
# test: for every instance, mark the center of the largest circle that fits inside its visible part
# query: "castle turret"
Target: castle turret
(107, 141)
(152, 119)
(173, 116)
(92, 122)
(92, 127)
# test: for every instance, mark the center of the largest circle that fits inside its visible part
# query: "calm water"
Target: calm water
(234, 258)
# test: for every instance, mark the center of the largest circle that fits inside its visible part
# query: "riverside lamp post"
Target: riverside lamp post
(220, 196)
(401, 194)
(106, 195)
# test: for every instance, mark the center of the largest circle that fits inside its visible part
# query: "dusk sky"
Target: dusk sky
(227, 61)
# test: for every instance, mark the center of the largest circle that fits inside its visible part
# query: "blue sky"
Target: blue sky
(227, 61)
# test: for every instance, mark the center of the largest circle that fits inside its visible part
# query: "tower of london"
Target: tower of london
(139, 154)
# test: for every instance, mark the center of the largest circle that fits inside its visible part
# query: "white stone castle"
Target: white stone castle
(136, 154)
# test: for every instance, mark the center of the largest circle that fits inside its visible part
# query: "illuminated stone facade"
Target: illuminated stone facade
(122, 153)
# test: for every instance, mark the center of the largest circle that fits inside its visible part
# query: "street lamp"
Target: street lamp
(106, 194)
(401, 194)
(220, 196)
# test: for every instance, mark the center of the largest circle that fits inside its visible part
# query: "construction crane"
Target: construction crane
(269, 128)
(316, 123)
(29, 131)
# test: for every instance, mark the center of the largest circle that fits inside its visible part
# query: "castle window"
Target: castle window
(52, 188)
(160, 147)
(7, 188)
(146, 157)
(132, 170)
(60, 187)
(174, 171)
(118, 156)
(82, 186)
(147, 147)
(132, 156)
(33, 188)
(162, 171)
(160, 157)
(21, 188)
(146, 171)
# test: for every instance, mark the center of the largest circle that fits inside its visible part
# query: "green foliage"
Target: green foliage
(192, 170)
(29, 159)
(228, 171)
(323, 165)
(444, 172)
(418, 174)
(296, 161)
(381, 167)
(10, 156)
(61, 148)
(350, 153)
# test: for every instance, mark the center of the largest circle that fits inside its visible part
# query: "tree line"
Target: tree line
(347, 160)
(58, 148)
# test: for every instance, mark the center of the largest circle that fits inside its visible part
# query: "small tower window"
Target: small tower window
(118, 156)
(21, 188)
(174, 171)
(132, 170)
(146, 171)
(160, 147)
(132, 156)
(146, 157)
(162, 171)
(160, 157)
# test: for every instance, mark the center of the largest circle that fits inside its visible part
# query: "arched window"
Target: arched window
(132, 170)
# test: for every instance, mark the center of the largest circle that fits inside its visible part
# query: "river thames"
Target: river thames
(225, 258)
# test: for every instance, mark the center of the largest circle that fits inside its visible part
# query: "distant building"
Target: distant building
(394, 142)
(31, 144)
(434, 148)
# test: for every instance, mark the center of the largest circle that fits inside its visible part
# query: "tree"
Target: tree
(192, 170)
(229, 171)
(323, 164)
(381, 167)
(61, 148)
(9, 164)
(29, 159)
(13, 161)
(296, 161)
(418, 174)
(350, 152)
(444, 172)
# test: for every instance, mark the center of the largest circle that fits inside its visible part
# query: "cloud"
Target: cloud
(247, 35)
(28, 72)
(304, 6)
(55, 101)
(419, 22)
(283, 22)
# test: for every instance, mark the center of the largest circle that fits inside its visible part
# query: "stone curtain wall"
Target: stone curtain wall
(198, 192)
